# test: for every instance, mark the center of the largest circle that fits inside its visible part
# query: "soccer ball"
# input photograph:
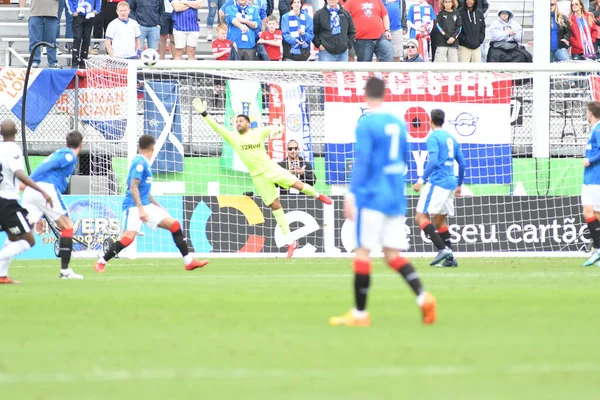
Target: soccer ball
(149, 57)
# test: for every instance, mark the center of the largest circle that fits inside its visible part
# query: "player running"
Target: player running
(140, 207)
(378, 202)
(590, 192)
(13, 217)
(249, 144)
(437, 197)
(53, 176)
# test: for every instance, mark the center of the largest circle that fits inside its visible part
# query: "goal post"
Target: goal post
(524, 171)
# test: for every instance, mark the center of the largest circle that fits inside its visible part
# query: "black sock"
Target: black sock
(446, 238)
(114, 250)
(412, 278)
(432, 235)
(361, 289)
(594, 228)
(65, 250)
(180, 242)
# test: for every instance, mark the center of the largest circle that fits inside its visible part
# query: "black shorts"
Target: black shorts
(13, 219)
(166, 24)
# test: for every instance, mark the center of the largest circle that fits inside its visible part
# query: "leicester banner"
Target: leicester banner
(477, 107)
(243, 97)
(162, 119)
(288, 107)
(44, 87)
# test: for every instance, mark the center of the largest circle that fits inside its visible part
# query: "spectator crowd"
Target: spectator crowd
(335, 31)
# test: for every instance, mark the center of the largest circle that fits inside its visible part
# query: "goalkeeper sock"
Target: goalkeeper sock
(116, 248)
(178, 238)
(445, 235)
(432, 235)
(283, 223)
(309, 190)
(65, 247)
(594, 228)
(362, 281)
(405, 268)
(12, 249)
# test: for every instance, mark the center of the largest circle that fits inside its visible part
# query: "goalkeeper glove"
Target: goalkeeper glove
(200, 106)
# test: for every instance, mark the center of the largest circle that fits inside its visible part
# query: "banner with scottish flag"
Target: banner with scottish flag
(162, 119)
(243, 97)
(45, 86)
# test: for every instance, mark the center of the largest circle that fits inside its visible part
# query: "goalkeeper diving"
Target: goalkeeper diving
(249, 144)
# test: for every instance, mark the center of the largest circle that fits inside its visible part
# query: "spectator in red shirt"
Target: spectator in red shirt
(221, 48)
(372, 30)
(271, 39)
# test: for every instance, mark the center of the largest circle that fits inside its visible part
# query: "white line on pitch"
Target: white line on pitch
(101, 375)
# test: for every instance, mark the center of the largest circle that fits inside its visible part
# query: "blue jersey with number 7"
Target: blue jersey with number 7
(381, 152)
(443, 149)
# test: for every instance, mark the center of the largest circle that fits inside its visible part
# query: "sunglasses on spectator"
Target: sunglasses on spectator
(292, 148)
(411, 47)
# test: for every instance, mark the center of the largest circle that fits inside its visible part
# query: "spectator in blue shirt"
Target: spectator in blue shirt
(243, 23)
(298, 33)
(397, 12)
(147, 13)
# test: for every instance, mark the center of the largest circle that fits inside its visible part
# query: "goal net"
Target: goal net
(516, 198)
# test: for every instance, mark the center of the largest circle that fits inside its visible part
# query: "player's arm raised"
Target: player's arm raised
(29, 182)
(201, 107)
(134, 189)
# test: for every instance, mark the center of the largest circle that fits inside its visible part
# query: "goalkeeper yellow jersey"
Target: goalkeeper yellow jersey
(250, 146)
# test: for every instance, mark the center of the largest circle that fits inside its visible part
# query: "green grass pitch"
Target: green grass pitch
(257, 329)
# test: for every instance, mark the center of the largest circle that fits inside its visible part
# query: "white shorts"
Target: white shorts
(182, 39)
(132, 221)
(590, 196)
(435, 200)
(36, 205)
(374, 229)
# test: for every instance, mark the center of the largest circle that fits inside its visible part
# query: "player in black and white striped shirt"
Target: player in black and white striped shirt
(13, 219)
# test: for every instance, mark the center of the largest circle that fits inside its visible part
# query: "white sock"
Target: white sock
(102, 260)
(13, 249)
(4, 267)
(359, 314)
(289, 239)
(421, 298)
(187, 259)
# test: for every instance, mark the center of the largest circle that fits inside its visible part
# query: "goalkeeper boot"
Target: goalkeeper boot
(69, 274)
(195, 264)
(325, 199)
(291, 248)
(5, 280)
(99, 266)
(349, 319)
(595, 257)
(428, 308)
(444, 254)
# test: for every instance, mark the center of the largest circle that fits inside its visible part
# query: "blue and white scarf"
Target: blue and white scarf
(334, 21)
(294, 24)
(242, 10)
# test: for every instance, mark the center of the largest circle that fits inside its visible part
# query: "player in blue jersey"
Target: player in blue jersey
(590, 192)
(53, 176)
(437, 197)
(140, 207)
(377, 201)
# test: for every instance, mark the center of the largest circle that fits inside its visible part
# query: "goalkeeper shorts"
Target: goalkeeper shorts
(265, 183)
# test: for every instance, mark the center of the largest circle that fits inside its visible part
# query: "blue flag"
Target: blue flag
(162, 119)
(45, 87)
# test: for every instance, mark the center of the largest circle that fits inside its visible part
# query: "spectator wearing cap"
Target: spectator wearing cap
(412, 51)
(334, 31)
(373, 34)
(298, 166)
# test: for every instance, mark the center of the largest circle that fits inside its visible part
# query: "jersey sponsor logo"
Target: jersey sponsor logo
(252, 146)
(465, 124)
